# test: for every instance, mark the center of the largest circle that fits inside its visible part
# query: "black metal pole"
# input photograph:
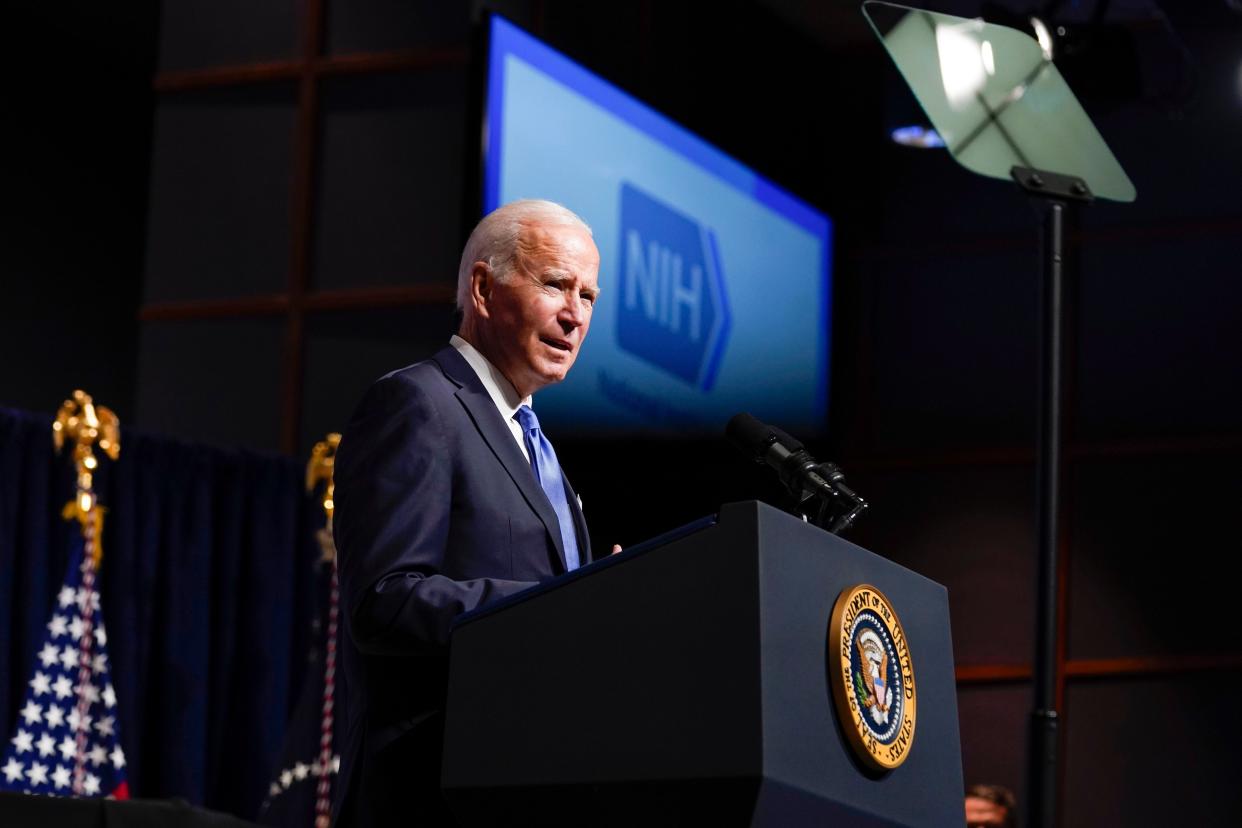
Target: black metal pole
(1042, 757)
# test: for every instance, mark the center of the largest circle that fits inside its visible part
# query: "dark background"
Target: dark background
(224, 219)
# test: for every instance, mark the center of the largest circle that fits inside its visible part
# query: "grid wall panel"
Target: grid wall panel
(390, 173)
(953, 353)
(347, 351)
(972, 530)
(214, 381)
(1153, 752)
(993, 725)
(386, 25)
(198, 34)
(1151, 539)
(1161, 337)
(219, 207)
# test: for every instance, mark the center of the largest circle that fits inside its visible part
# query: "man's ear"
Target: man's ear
(481, 282)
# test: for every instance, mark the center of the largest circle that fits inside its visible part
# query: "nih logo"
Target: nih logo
(673, 312)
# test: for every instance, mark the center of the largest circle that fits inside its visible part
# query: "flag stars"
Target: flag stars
(32, 712)
(40, 683)
(37, 775)
(286, 777)
(97, 755)
(99, 663)
(75, 628)
(91, 786)
(68, 748)
(46, 745)
(54, 717)
(299, 771)
(101, 637)
(63, 688)
(60, 777)
(109, 696)
(65, 598)
(69, 657)
(91, 692)
(106, 726)
(13, 770)
(78, 721)
(23, 741)
(49, 655)
(57, 626)
(118, 757)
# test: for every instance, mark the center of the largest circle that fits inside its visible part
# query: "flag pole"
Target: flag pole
(321, 467)
(86, 425)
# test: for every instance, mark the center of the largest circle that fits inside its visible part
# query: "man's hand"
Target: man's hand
(616, 547)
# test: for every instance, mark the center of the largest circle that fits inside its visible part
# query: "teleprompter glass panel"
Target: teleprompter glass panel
(996, 98)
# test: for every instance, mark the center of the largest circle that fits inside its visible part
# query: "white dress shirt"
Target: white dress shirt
(500, 389)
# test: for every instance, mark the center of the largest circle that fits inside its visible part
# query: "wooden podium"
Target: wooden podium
(685, 681)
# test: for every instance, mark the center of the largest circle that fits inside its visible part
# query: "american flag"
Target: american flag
(67, 741)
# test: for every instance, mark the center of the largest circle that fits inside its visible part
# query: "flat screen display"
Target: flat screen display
(715, 283)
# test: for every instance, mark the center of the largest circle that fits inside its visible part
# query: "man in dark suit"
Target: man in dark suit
(448, 496)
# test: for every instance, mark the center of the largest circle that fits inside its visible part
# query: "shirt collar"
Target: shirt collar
(498, 387)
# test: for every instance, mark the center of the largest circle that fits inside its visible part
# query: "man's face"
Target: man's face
(980, 813)
(535, 322)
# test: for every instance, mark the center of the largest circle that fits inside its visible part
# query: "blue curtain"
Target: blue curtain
(208, 589)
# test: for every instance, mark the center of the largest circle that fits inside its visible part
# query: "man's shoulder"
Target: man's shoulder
(439, 373)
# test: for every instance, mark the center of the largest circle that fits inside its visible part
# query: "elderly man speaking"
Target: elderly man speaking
(449, 495)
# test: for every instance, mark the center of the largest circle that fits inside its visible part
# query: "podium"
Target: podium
(686, 681)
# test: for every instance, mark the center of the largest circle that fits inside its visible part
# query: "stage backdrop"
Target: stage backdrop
(206, 587)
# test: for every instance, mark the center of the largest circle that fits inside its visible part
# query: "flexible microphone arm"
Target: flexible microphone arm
(806, 478)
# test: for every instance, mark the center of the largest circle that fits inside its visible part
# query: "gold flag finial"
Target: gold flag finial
(321, 466)
(87, 425)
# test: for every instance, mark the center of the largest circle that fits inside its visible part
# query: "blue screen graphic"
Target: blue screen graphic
(715, 283)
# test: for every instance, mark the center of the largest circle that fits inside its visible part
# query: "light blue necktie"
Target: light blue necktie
(548, 473)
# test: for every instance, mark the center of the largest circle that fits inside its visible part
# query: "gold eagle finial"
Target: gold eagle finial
(321, 466)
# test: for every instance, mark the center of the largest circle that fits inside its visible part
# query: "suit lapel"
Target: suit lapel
(482, 410)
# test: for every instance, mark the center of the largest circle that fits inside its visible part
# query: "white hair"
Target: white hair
(494, 240)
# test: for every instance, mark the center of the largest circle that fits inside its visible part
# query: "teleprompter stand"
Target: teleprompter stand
(1004, 111)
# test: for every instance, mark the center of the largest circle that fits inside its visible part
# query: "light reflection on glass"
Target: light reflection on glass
(961, 64)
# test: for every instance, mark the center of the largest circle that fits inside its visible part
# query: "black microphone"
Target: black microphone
(803, 475)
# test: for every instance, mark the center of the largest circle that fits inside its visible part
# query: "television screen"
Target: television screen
(715, 283)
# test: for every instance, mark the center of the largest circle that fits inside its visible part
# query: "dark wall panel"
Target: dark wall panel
(390, 187)
(347, 351)
(953, 350)
(1151, 539)
(1161, 335)
(993, 723)
(383, 25)
(220, 183)
(197, 34)
(214, 381)
(1153, 752)
(971, 530)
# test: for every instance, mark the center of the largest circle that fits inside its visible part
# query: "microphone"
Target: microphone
(803, 475)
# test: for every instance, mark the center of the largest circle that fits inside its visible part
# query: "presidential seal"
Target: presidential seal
(872, 677)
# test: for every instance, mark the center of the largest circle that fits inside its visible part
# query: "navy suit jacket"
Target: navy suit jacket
(437, 513)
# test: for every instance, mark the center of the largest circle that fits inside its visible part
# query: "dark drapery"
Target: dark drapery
(207, 587)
